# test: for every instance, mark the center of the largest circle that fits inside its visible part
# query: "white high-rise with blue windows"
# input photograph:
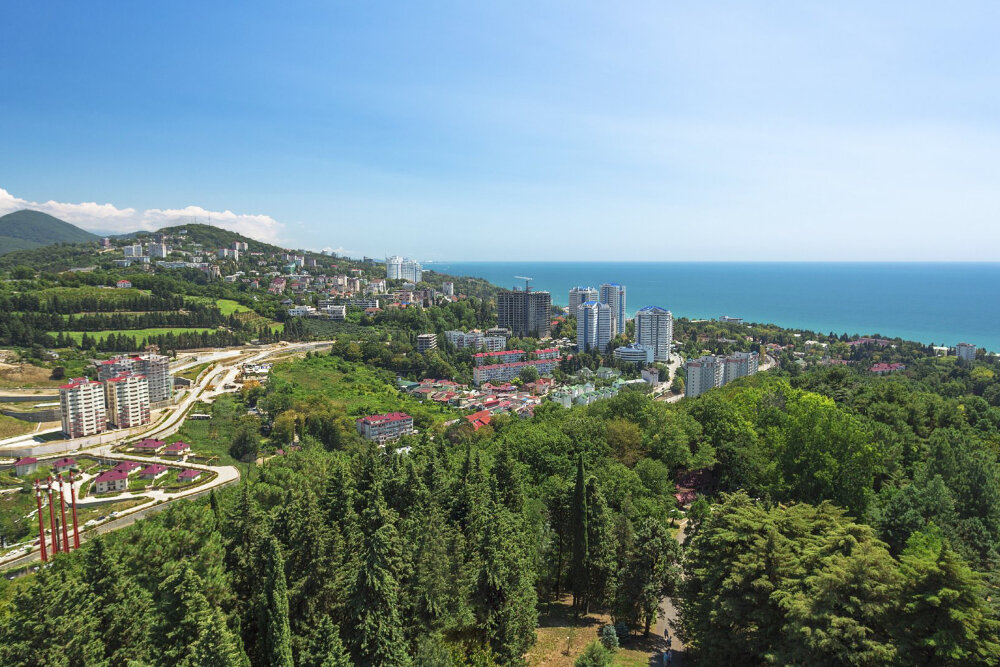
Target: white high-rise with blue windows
(654, 328)
(578, 295)
(593, 326)
(613, 294)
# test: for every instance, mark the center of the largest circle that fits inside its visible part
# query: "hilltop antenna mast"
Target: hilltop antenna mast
(527, 280)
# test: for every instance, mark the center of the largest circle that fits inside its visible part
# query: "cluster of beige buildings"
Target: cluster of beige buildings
(126, 388)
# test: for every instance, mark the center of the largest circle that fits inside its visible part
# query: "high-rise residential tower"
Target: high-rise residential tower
(613, 294)
(578, 295)
(525, 313)
(654, 327)
(81, 402)
(127, 398)
(593, 326)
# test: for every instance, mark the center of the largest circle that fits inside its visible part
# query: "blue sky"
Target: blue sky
(516, 130)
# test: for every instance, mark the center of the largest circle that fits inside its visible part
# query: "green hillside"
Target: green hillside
(24, 230)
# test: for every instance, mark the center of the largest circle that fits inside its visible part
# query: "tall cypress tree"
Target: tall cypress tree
(601, 564)
(579, 577)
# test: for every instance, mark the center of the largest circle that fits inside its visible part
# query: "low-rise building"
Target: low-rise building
(385, 427)
(634, 354)
(25, 466)
(128, 467)
(111, 481)
(179, 448)
(189, 475)
(499, 357)
(148, 446)
(154, 471)
(508, 371)
(64, 464)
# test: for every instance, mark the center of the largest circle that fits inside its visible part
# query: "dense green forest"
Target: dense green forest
(843, 518)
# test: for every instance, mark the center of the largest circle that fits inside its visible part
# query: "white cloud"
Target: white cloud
(341, 251)
(110, 218)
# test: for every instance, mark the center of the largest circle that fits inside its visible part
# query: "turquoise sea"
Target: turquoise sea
(941, 303)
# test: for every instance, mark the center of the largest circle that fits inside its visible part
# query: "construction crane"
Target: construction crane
(526, 279)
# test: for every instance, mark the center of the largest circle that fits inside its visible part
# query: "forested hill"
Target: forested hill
(25, 229)
(210, 237)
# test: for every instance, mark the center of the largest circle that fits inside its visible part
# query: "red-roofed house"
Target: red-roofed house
(188, 475)
(154, 471)
(25, 466)
(64, 464)
(390, 426)
(179, 448)
(479, 419)
(110, 481)
(148, 446)
(128, 467)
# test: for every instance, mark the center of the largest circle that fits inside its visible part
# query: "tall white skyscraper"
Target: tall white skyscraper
(966, 351)
(593, 326)
(654, 327)
(578, 295)
(401, 268)
(613, 294)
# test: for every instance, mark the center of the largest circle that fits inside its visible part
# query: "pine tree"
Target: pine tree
(944, 619)
(374, 628)
(121, 608)
(503, 594)
(580, 553)
(192, 632)
(272, 608)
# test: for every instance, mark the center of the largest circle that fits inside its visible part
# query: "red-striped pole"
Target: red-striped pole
(41, 522)
(62, 513)
(76, 526)
(52, 520)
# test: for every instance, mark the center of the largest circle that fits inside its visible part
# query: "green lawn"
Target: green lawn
(354, 387)
(228, 307)
(212, 437)
(99, 293)
(138, 333)
(193, 372)
(9, 427)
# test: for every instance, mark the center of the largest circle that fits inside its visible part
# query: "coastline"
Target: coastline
(929, 302)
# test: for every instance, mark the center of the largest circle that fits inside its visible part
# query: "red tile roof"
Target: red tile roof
(154, 469)
(189, 473)
(388, 417)
(111, 476)
(27, 460)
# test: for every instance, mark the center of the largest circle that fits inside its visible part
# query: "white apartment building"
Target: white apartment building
(593, 326)
(154, 367)
(335, 312)
(966, 351)
(402, 268)
(634, 354)
(427, 342)
(462, 339)
(714, 371)
(127, 399)
(578, 295)
(448, 289)
(654, 328)
(613, 294)
(229, 253)
(159, 250)
(82, 404)
(702, 374)
(738, 365)
(134, 250)
(382, 428)
(301, 311)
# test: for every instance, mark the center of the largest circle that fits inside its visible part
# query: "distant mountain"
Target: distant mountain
(24, 230)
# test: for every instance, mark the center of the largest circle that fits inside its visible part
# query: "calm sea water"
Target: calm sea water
(942, 303)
